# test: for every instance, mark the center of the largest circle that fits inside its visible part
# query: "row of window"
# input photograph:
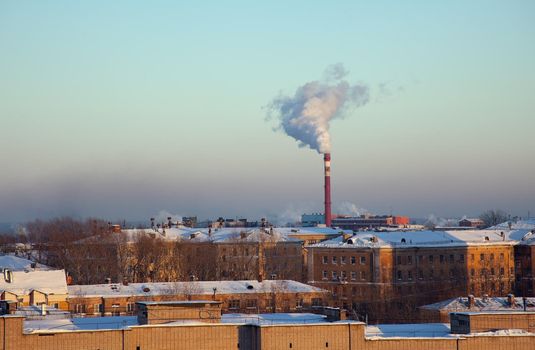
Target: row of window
(451, 258)
(344, 260)
(401, 275)
(342, 275)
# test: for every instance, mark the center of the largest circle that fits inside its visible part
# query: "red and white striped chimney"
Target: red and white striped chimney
(327, 164)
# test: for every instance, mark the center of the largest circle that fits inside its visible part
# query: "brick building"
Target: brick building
(357, 223)
(235, 296)
(386, 275)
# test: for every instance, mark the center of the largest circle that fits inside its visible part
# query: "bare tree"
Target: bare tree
(493, 217)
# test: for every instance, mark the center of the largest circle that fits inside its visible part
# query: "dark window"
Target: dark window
(363, 260)
(399, 260)
(431, 259)
(409, 260)
(481, 257)
(461, 257)
(353, 260)
(400, 275)
(441, 258)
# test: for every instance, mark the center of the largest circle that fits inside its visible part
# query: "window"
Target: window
(79, 308)
(501, 271)
(491, 256)
(492, 271)
(250, 303)
(325, 259)
(461, 258)
(316, 302)
(399, 260)
(98, 308)
(342, 274)
(452, 258)
(420, 259)
(441, 258)
(343, 260)
(299, 303)
(501, 256)
(472, 257)
(362, 275)
(363, 260)
(472, 272)
(130, 307)
(353, 275)
(409, 259)
(430, 259)
(400, 275)
(353, 260)
(481, 257)
(325, 276)
(409, 275)
(335, 260)
(334, 275)
(234, 304)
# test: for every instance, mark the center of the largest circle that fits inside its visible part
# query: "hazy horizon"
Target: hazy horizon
(125, 109)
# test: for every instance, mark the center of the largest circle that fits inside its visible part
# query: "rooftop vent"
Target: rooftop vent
(146, 289)
(250, 287)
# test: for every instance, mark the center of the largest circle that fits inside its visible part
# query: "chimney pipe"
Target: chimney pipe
(327, 165)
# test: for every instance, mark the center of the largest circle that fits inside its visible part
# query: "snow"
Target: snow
(197, 288)
(481, 304)
(411, 330)
(411, 239)
(15, 263)
(528, 224)
(48, 282)
(80, 323)
(220, 235)
(274, 318)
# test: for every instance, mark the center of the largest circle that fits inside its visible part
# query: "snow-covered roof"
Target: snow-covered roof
(23, 282)
(191, 288)
(409, 239)
(527, 224)
(48, 324)
(415, 330)
(15, 263)
(481, 305)
(220, 235)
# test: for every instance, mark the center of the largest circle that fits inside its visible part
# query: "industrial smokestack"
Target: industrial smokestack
(327, 164)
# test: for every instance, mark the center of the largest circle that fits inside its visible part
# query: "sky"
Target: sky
(124, 109)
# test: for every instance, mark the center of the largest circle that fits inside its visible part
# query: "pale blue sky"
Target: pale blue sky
(122, 109)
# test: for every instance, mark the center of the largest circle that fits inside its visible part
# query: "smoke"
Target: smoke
(306, 116)
(348, 208)
(434, 221)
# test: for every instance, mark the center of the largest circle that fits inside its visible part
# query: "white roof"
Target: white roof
(221, 235)
(415, 330)
(409, 239)
(23, 282)
(193, 288)
(17, 264)
(528, 224)
(482, 305)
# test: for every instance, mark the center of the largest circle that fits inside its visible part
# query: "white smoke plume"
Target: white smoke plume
(306, 116)
(348, 208)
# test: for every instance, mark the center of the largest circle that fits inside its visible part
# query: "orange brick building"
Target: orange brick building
(385, 276)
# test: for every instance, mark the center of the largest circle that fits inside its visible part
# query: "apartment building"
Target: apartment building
(385, 275)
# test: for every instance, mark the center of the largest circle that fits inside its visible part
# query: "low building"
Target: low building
(249, 296)
(264, 332)
(439, 312)
(473, 222)
(366, 222)
(34, 287)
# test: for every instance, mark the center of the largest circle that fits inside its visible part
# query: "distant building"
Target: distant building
(357, 223)
(311, 220)
(476, 223)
